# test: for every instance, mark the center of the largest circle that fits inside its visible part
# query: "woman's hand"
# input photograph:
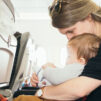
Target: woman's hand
(48, 65)
(34, 80)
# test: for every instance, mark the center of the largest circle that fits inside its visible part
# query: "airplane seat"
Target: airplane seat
(7, 54)
(23, 61)
(8, 42)
(24, 64)
(15, 55)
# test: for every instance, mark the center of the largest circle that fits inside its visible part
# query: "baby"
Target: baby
(81, 49)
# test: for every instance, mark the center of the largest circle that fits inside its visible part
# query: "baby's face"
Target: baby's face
(72, 57)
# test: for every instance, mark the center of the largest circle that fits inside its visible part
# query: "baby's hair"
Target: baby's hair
(86, 45)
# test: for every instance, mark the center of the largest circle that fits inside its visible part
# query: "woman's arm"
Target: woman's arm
(72, 89)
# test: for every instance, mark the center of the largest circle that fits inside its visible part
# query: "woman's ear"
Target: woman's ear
(82, 61)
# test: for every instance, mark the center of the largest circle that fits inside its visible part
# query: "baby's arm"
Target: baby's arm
(42, 80)
(59, 75)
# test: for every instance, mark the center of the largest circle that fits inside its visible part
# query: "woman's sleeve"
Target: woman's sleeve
(93, 67)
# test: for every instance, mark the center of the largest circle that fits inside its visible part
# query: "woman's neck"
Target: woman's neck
(98, 29)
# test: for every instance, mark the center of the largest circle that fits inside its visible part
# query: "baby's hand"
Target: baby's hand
(34, 80)
(48, 65)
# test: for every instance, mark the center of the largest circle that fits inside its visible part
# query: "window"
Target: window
(40, 56)
(63, 56)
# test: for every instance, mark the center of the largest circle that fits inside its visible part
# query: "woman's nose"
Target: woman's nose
(69, 36)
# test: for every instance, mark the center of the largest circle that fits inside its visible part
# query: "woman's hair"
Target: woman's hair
(86, 45)
(65, 13)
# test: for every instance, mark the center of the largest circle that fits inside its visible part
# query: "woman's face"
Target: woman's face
(85, 26)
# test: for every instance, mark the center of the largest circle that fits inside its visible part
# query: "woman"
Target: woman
(71, 18)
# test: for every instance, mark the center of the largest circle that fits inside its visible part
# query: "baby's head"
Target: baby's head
(83, 47)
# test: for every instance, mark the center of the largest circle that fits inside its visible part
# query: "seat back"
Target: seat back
(7, 55)
(24, 62)
(7, 41)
